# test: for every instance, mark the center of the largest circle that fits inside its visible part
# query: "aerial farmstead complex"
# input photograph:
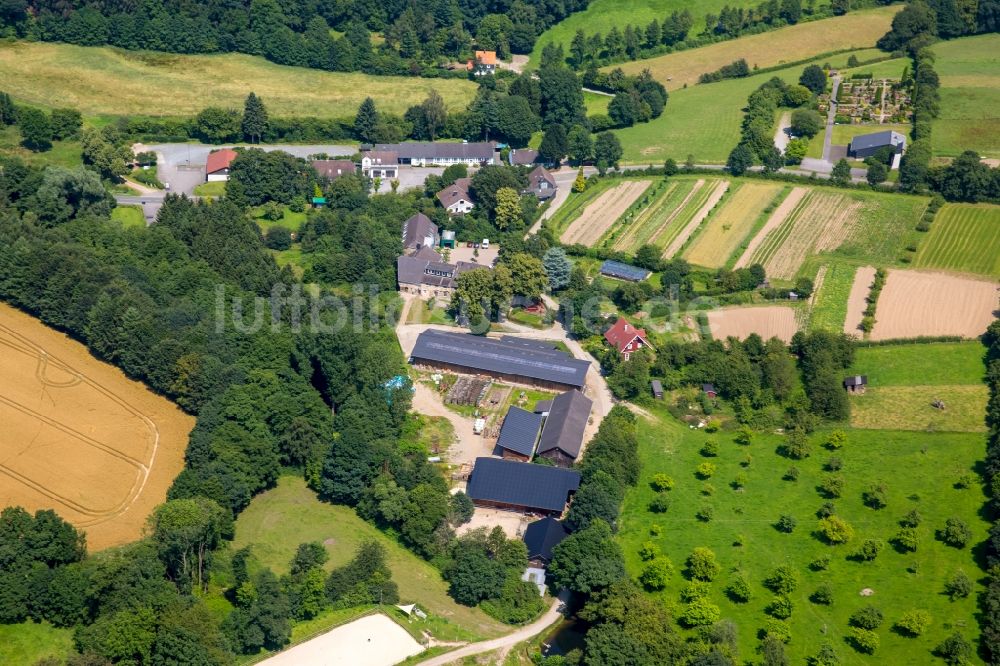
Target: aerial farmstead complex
(655, 332)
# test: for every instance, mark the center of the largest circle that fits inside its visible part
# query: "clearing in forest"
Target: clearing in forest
(698, 215)
(598, 217)
(963, 237)
(767, 322)
(922, 303)
(80, 437)
(728, 227)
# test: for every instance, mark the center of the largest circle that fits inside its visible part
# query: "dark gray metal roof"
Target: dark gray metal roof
(522, 484)
(657, 387)
(856, 380)
(489, 355)
(622, 271)
(417, 229)
(542, 536)
(565, 424)
(877, 140)
(519, 432)
(417, 150)
(523, 156)
(543, 406)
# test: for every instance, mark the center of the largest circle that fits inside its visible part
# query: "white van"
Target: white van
(486, 243)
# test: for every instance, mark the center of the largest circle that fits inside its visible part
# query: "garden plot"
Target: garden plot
(916, 303)
(731, 224)
(821, 223)
(660, 214)
(598, 217)
(711, 200)
(777, 218)
(857, 300)
(767, 322)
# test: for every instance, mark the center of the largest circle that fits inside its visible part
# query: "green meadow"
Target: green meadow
(919, 471)
(702, 121)
(970, 96)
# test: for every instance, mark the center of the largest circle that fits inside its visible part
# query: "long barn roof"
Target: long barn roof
(507, 356)
(522, 484)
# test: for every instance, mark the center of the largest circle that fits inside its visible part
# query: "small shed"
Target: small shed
(448, 238)
(709, 390)
(856, 383)
(657, 389)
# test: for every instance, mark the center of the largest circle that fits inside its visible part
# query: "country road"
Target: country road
(551, 616)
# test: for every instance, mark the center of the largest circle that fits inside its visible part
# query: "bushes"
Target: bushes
(836, 530)
(783, 580)
(702, 565)
(955, 533)
(913, 622)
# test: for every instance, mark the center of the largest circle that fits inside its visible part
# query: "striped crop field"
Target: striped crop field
(862, 226)
(731, 224)
(963, 237)
(669, 202)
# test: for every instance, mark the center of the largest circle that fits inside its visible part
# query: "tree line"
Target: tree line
(419, 37)
(673, 32)
(990, 598)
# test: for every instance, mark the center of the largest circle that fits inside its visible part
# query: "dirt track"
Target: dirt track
(915, 303)
(603, 212)
(79, 437)
(767, 322)
(856, 302)
(777, 217)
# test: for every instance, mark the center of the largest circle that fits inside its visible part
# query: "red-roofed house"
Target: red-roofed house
(485, 63)
(626, 338)
(217, 164)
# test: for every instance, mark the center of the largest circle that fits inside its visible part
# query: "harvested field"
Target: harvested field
(915, 303)
(822, 223)
(80, 437)
(731, 224)
(664, 210)
(792, 43)
(779, 215)
(767, 322)
(911, 408)
(598, 217)
(681, 238)
(856, 302)
(964, 237)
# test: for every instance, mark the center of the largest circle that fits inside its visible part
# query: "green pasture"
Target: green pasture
(278, 520)
(129, 216)
(938, 363)
(703, 120)
(30, 642)
(963, 237)
(919, 471)
(969, 69)
(829, 311)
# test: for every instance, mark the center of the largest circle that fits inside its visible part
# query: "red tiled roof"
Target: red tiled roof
(486, 57)
(622, 333)
(220, 159)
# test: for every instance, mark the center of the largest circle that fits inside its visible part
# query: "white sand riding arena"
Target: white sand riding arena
(373, 640)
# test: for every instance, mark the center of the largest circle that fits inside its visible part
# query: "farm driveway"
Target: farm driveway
(781, 136)
(831, 116)
(183, 164)
(552, 615)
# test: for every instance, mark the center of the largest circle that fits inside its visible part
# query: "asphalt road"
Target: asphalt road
(182, 165)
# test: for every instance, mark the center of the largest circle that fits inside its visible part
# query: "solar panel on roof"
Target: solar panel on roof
(624, 271)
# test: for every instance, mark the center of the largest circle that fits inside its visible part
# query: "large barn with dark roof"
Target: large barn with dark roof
(518, 486)
(562, 435)
(509, 359)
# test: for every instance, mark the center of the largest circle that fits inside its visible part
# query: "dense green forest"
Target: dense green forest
(418, 36)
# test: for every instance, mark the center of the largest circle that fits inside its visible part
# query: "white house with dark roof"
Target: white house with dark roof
(456, 198)
(440, 153)
(380, 164)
